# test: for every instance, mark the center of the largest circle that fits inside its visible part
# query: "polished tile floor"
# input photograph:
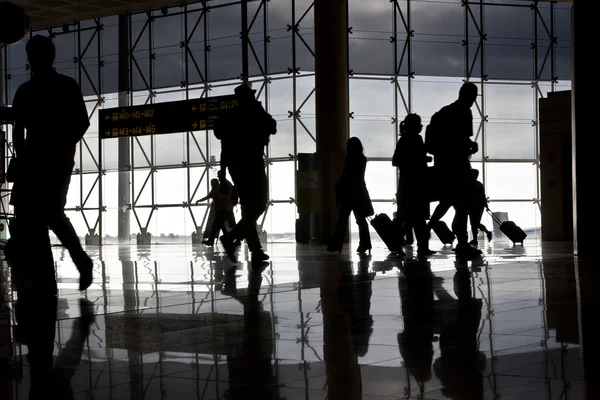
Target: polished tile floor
(176, 322)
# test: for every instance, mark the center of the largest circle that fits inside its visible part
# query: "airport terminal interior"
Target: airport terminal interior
(169, 315)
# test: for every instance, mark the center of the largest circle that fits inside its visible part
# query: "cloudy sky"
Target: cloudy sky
(438, 61)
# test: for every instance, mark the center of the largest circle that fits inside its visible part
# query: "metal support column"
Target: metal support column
(585, 216)
(331, 97)
(584, 201)
(124, 143)
(245, 68)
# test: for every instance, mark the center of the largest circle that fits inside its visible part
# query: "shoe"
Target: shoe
(363, 249)
(85, 266)
(464, 250)
(258, 257)
(489, 236)
(208, 243)
(474, 242)
(229, 248)
(426, 252)
(333, 247)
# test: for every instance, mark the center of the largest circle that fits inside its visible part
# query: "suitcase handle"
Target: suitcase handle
(494, 217)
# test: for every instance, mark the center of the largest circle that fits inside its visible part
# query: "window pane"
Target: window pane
(439, 32)
(511, 181)
(513, 102)
(380, 177)
(431, 94)
(377, 136)
(282, 181)
(508, 140)
(371, 50)
(508, 53)
(525, 215)
(280, 222)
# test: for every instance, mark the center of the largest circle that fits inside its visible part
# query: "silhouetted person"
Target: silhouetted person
(37, 317)
(244, 132)
(50, 107)
(461, 365)
(222, 206)
(352, 196)
(416, 340)
(452, 151)
(250, 364)
(69, 357)
(413, 197)
(355, 297)
(478, 204)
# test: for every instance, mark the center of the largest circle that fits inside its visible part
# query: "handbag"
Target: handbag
(12, 171)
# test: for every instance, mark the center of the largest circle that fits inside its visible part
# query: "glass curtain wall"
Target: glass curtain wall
(412, 56)
(405, 56)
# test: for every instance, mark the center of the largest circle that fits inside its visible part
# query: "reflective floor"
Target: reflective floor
(176, 322)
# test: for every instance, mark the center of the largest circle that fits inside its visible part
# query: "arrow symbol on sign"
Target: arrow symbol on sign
(107, 133)
(107, 117)
(194, 108)
(194, 125)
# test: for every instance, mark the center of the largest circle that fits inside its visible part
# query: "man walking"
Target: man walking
(50, 107)
(453, 130)
(244, 132)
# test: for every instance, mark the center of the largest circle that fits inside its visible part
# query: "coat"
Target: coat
(351, 189)
(413, 187)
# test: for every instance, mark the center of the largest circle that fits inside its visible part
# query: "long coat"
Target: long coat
(413, 192)
(351, 190)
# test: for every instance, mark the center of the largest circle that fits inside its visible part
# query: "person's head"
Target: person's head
(245, 93)
(40, 53)
(411, 125)
(220, 174)
(214, 183)
(354, 147)
(475, 173)
(468, 94)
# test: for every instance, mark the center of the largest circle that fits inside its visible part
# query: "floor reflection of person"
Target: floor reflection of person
(250, 364)
(416, 340)
(339, 350)
(461, 365)
(355, 297)
(49, 379)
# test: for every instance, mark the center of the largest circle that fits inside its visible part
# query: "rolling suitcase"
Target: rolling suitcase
(443, 233)
(512, 231)
(386, 229)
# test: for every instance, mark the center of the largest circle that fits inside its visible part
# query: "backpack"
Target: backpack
(267, 126)
(432, 135)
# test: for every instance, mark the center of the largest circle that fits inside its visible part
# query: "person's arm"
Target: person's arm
(210, 195)
(18, 133)
(82, 122)
(396, 156)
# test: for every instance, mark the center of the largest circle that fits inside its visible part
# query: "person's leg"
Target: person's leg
(409, 238)
(439, 212)
(459, 224)
(475, 214)
(422, 236)
(336, 242)
(364, 243)
(252, 186)
(64, 231)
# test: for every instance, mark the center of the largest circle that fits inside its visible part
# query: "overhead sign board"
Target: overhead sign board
(163, 118)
